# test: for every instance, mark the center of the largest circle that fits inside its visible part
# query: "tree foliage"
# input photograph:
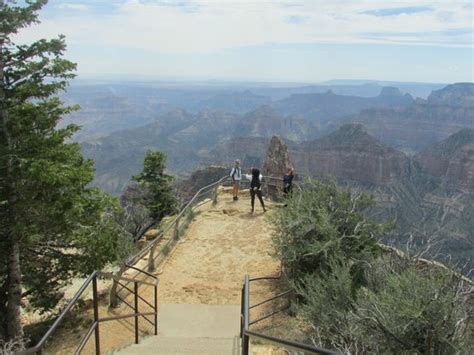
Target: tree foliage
(52, 225)
(159, 199)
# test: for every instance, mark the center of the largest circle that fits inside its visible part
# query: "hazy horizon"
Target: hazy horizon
(261, 41)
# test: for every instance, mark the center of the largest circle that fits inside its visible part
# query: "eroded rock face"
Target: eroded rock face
(200, 178)
(351, 154)
(277, 160)
(425, 122)
(452, 161)
(460, 173)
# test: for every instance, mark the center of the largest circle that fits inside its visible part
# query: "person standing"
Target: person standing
(255, 188)
(236, 176)
(288, 181)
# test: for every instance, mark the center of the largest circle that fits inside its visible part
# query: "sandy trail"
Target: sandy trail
(222, 244)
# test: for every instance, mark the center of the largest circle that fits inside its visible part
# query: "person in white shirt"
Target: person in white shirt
(236, 176)
(255, 187)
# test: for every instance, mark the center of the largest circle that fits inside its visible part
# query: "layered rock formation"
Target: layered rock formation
(351, 154)
(265, 122)
(452, 161)
(424, 122)
(329, 106)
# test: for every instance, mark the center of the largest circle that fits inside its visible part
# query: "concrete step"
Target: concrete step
(192, 329)
(172, 345)
(198, 320)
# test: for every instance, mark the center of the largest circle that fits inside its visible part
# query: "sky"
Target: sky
(264, 40)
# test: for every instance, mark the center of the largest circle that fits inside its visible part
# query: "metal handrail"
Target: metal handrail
(129, 264)
(60, 318)
(133, 259)
(245, 323)
(94, 328)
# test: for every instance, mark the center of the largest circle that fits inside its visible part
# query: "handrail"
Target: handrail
(129, 264)
(245, 323)
(58, 320)
(92, 278)
(132, 260)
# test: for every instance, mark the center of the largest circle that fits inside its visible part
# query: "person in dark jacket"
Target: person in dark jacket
(288, 181)
(255, 187)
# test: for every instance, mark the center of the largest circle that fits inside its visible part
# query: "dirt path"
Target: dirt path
(223, 243)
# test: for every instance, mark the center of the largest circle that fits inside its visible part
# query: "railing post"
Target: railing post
(245, 337)
(241, 311)
(156, 310)
(136, 310)
(95, 300)
(151, 261)
(176, 229)
(214, 196)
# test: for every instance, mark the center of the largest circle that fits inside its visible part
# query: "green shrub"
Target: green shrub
(355, 297)
(413, 311)
(323, 222)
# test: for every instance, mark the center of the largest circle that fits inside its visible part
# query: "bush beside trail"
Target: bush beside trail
(356, 297)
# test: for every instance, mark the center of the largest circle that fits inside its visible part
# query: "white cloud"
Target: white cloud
(207, 26)
(74, 6)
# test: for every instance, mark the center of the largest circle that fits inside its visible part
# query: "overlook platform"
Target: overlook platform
(201, 279)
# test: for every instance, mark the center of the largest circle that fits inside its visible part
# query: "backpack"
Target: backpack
(236, 171)
(255, 183)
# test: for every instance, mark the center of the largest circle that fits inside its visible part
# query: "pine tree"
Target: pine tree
(52, 225)
(160, 199)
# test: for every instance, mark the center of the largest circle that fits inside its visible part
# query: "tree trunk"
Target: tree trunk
(3, 309)
(113, 300)
(13, 287)
(14, 328)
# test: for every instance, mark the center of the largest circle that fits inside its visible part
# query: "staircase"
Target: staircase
(192, 329)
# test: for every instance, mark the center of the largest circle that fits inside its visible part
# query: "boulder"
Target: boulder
(151, 234)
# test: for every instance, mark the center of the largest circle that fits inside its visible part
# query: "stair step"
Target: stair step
(171, 345)
(198, 320)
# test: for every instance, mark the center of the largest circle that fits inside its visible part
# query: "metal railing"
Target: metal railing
(94, 328)
(178, 224)
(245, 322)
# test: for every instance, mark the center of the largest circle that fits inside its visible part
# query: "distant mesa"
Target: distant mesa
(459, 94)
(416, 126)
(390, 91)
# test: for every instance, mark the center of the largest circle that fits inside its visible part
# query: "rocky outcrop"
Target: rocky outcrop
(350, 154)
(277, 159)
(277, 163)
